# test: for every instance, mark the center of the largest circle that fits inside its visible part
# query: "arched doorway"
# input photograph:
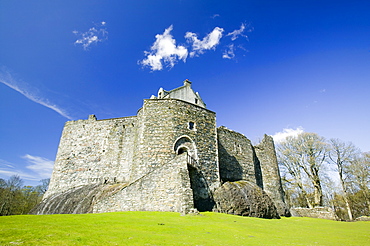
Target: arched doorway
(182, 150)
(201, 194)
(184, 144)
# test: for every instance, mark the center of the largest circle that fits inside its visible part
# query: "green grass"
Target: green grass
(161, 228)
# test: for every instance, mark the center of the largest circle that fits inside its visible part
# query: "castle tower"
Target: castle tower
(174, 123)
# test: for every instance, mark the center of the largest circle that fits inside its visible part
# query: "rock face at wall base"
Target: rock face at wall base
(246, 199)
(167, 188)
(74, 201)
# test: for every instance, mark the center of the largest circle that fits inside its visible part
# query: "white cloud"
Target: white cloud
(41, 166)
(7, 79)
(239, 32)
(7, 170)
(229, 52)
(164, 51)
(209, 42)
(281, 136)
(92, 36)
(38, 168)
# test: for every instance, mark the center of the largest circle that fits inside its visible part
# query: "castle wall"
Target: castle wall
(266, 155)
(236, 156)
(165, 189)
(93, 151)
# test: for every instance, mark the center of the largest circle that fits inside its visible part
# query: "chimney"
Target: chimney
(187, 82)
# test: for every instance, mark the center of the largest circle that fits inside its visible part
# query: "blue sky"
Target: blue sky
(263, 66)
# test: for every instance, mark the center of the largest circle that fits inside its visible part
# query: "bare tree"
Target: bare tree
(14, 183)
(359, 174)
(44, 186)
(342, 155)
(302, 156)
(288, 159)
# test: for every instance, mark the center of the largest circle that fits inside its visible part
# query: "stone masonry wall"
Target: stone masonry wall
(165, 189)
(93, 151)
(266, 155)
(161, 123)
(236, 157)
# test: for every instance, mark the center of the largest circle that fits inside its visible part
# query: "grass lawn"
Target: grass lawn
(164, 228)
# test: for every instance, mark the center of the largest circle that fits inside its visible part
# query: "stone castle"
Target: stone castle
(169, 157)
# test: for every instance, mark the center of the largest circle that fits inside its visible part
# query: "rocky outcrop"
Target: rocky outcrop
(74, 201)
(151, 192)
(246, 199)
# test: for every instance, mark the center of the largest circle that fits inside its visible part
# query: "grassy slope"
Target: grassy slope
(156, 228)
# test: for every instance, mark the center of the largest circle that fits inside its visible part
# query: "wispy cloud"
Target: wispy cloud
(239, 32)
(41, 166)
(164, 51)
(5, 164)
(7, 172)
(7, 79)
(38, 168)
(208, 42)
(287, 132)
(94, 35)
(229, 52)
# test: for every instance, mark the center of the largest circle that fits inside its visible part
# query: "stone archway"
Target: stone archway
(184, 144)
(201, 195)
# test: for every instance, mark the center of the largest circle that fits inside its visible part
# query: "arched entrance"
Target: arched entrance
(182, 150)
(201, 194)
(184, 144)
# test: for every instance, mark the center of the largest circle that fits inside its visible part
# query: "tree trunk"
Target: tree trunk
(349, 211)
(348, 207)
(309, 204)
(317, 192)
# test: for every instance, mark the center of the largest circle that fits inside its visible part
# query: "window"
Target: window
(196, 100)
(191, 125)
